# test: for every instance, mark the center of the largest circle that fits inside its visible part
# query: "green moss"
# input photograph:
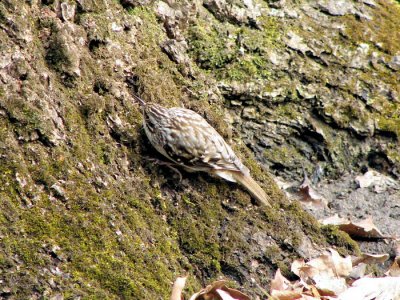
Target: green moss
(389, 125)
(287, 110)
(2, 14)
(112, 241)
(337, 237)
(274, 252)
(258, 41)
(27, 118)
(382, 30)
(393, 153)
(186, 199)
(218, 47)
(247, 68)
(287, 155)
(285, 269)
(346, 113)
(210, 46)
(199, 240)
(57, 56)
(389, 118)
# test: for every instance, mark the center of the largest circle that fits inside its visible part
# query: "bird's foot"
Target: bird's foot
(168, 164)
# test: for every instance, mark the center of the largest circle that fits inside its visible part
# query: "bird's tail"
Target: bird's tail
(252, 186)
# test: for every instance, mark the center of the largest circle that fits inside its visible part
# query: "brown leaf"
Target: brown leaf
(330, 262)
(296, 266)
(341, 265)
(314, 292)
(373, 288)
(286, 295)
(327, 272)
(394, 269)
(283, 289)
(279, 283)
(362, 229)
(177, 288)
(397, 247)
(379, 181)
(358, 271)
(369, 259)
(310, 196)
(218, 291)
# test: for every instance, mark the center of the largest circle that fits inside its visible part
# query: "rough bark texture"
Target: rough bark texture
(84, 210)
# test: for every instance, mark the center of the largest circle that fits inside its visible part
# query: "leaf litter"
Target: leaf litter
(327, 277)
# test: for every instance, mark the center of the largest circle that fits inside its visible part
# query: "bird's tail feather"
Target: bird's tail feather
(252, 186)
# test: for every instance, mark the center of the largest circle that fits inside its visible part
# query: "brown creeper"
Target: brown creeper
(185, 138)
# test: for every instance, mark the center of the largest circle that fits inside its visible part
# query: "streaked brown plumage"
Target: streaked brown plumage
(185, 138)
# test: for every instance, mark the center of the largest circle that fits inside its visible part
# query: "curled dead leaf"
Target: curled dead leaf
(327, 272)
(394, 269)
(218, 291)
(286, 295)
(376, 180)
(283, 289)
(358, 271)
(397, 247)
(280, 282)
(360, 263)
(309, 194)
(387, 288)
(177, 288)
(369, 259)
(362, 229)
(296, 266)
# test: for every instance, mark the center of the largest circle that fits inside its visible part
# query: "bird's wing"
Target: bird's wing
(196, 144)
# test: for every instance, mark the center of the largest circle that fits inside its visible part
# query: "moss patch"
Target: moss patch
(382, 29)
(336, 237)
(234, 53)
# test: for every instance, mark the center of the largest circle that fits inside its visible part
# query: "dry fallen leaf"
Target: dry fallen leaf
(387, 288)
(360, 263)
(369, 259)
(394, 269)
(296, 265)
(362, 229)
(327, 272)
(283, 289)
(397, 247)
(330, 262)
(218, 291)
(328, 276)
(177, 288)
(310, 196)
(286, 295)
(358, 271)
(279, 283)
(377, 180)
(225, 295)
(215, 291)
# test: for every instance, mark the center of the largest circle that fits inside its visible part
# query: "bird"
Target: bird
(186, 139)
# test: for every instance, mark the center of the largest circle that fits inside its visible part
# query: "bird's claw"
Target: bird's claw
(167, 164)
